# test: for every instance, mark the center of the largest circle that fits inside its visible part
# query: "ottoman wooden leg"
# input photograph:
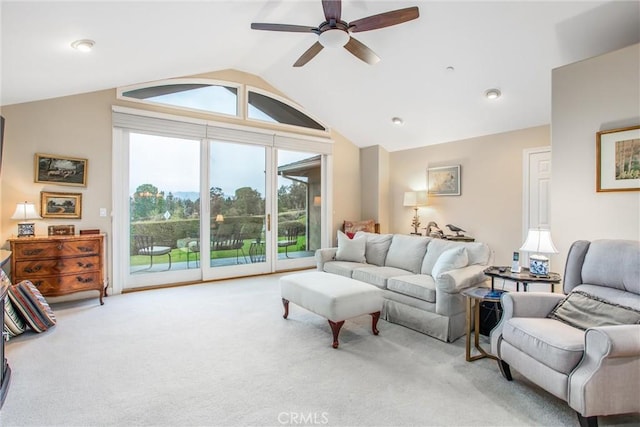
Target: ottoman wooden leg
(374, 322)
(285, 302)
(335, 328)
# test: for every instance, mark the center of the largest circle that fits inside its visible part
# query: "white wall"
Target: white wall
(597, 94)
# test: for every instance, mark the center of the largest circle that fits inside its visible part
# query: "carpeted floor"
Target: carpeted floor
(220, 354)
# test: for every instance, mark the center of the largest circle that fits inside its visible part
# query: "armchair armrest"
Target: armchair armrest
(454, 281)
(323, 255)
(610, 367)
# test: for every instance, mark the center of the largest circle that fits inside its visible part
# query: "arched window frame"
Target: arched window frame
(242, 106)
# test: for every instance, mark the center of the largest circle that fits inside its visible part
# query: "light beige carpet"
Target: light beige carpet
(221, 354)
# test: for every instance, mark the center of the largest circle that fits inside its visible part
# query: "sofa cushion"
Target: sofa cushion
(32, 306)
(343, 268)
(377, 276)
(582, 310)
(13, 323)
(613, 263)
(478, 253)
(419, 286)
(377, 247)
(450, 259)
(407, 252)
(351, 249)
(550, 342)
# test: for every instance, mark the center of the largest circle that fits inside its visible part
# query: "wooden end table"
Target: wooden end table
(524, 277)
(474, 297)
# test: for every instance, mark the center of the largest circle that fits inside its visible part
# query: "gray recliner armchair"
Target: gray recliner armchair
(578, 350)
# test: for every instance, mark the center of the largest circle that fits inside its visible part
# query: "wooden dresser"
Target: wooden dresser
(60, 265)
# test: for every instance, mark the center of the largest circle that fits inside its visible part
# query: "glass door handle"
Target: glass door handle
(268, 222)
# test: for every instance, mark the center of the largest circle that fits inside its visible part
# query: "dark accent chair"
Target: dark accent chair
(291, 234)
(226, 238)
(144, 246)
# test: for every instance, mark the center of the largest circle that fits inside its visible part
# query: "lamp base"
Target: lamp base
(26, 229)
(539, 265)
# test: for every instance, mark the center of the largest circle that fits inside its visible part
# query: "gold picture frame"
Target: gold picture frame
(53, 169)
(618, 159)
(60, 205)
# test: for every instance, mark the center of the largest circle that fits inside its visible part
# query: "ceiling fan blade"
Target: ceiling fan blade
(386, 19)
(361, 51)
(332, 9)
(283, 27)
(309, 54)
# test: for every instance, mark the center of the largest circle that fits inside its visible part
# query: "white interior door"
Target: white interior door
(537, 185)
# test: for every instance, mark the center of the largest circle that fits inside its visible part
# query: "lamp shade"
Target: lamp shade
(539, 241)
(415, 198)
(25, 211)
(219, 218)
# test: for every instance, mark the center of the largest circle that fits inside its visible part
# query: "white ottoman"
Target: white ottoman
(334, 297)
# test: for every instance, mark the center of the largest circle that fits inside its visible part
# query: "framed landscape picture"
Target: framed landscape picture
(444, 181)
(52, 169)
(618, 159)
(61, 205)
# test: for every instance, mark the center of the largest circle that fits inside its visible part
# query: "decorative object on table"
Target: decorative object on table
(444, 181)
(53, 169)
(515, 263)
(432, 230)
(24, 213)
(539, 242)
(61, 230)
(456, 229)
(61, 205)
(618, 159)
(415, 199)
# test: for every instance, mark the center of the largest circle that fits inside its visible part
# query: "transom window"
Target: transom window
(222, 98)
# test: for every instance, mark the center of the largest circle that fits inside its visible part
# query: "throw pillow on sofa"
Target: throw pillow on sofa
(406, 252)
(30, 303)
(450, 259)
(13, 323)
(351, 249)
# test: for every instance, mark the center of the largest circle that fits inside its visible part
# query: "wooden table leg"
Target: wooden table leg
(468, 337)
(335, 328)
(285, 303)
(374, 322)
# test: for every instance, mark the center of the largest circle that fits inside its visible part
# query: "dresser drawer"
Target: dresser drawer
(61, 285)
(49, 267)
(37, 250)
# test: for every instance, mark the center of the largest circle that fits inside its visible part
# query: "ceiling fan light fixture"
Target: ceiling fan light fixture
(493, 94)
(84, 45)
(334, 37)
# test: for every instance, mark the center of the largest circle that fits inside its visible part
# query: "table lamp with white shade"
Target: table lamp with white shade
(25, 212)
(415, 199)
(539, 242)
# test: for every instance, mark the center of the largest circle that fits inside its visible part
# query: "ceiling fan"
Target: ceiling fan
(334, 32)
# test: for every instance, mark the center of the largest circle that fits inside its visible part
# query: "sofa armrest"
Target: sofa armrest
(523, 304)
(323, 255)
(610, 367)
(454, 281)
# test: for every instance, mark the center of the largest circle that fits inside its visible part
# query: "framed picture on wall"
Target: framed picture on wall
(60, 205)
(444, 181)
(618, 159)
(52, 169)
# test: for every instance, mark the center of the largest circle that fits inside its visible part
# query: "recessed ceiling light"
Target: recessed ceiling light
(450, 69)
(84, 45)
(397, 121)
(493, 93)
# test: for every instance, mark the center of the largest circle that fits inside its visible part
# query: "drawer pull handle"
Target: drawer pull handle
(84, 280)
(33, 251)
(85, 249)
(34, 269)
(37, 283)
(83, 265)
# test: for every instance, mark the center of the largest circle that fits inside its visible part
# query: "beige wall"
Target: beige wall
(601, 93)
(374, 176)
(490, 206)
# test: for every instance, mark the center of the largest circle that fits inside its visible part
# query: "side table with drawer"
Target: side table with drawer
(60, 265)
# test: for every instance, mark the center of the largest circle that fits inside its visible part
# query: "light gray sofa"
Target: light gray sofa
(597, 370)
(421, 277)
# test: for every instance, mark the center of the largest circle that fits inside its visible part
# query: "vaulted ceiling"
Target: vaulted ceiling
(434, 71)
